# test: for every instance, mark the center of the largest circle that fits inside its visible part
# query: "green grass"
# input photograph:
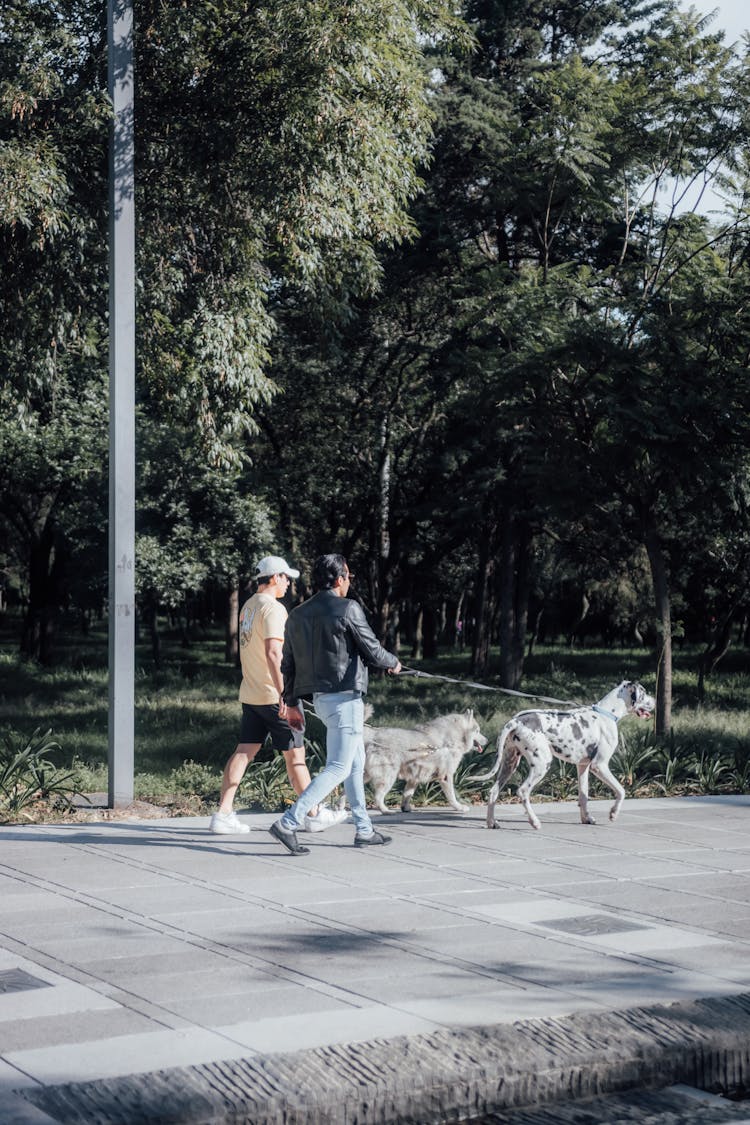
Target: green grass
(187, 713)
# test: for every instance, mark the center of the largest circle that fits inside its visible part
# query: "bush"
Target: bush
(27, 775)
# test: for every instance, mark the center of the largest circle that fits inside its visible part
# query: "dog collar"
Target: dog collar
(603, 711)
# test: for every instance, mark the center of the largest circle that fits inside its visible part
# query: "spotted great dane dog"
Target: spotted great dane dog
(586, 736)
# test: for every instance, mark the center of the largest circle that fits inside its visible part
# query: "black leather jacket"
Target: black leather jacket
(328, 646)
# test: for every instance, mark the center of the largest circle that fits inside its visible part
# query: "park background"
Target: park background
(461, 292)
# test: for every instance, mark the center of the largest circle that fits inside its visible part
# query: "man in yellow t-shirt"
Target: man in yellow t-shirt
(262, 623)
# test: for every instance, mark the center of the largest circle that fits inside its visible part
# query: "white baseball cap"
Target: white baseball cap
(274, 564)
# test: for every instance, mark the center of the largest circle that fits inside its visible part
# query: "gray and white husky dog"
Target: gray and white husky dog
(428, 752)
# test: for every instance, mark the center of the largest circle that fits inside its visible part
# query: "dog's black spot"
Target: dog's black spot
(532, 721)
(576, 731)
(583, 721)
(592, 750)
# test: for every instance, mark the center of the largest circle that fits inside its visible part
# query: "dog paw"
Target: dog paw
(588, 819)
(494, 824)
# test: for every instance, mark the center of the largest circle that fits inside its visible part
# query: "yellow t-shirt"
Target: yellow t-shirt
(262, 617)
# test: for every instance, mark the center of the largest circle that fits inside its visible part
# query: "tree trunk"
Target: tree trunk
(480, 649)
(232, 625)
(535, 630)
(150, 616)
(584, 612)
(660, 579)
(47, 563)
(514, 599)
(416, 648)
(718, 645)
(459, 626)
(430, 633)
(385, 585)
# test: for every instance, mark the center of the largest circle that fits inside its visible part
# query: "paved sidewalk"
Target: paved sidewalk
(134, 947)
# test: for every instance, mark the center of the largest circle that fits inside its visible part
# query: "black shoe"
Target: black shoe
(288, 839)
(368, 841)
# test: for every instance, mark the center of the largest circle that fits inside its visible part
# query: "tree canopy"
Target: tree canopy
(417, 283)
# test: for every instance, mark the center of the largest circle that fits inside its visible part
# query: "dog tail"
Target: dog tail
(369, 710)
(500, 747)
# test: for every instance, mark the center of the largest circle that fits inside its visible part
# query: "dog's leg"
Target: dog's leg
(604, 773)
(381, 777)
(583, 791)
(539, 757)
(509, 764)
(407, 795)
(449, 792)
(378, 796)
(494, 794)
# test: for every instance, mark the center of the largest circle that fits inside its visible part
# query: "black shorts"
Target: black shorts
(259, 721)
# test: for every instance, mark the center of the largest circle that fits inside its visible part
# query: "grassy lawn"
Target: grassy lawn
(187, 715)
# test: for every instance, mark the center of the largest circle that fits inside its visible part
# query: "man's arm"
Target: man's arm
(290, 708)
(274, 652)
(368, 645)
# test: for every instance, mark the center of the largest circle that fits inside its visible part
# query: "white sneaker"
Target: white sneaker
(326, 818)
(227, 824)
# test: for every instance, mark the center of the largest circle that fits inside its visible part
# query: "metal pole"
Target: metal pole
(121, 405)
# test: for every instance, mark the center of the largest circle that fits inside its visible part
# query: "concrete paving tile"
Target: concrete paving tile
(472, 941)
(84, 950)
(717, 859)
(189, 960)
(728, 961)
(10, 959)
(289, 1033)
(52, 1000)
(87, 923)
(438, 884)
(673, 904)
(669, 988)
(720, 835)
(401, 915)
(639, 867)
(737, 927)
(163, 898)
(341, 963)
(497, 1005)
(57, 1031)
(126, 1054)
(216, 1011)
(159, 988)
(285, 889)
(468, 895)
(440, 981)
(649, 936)
(728, 887)
(27, 909)
(234, 924)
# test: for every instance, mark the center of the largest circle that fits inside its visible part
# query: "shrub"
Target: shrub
(27, 775)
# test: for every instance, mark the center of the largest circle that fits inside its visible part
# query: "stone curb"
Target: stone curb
(445, 1076)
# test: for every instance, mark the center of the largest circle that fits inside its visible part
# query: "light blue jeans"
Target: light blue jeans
(343, 713)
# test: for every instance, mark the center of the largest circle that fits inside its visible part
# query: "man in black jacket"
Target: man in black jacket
(328, 647)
